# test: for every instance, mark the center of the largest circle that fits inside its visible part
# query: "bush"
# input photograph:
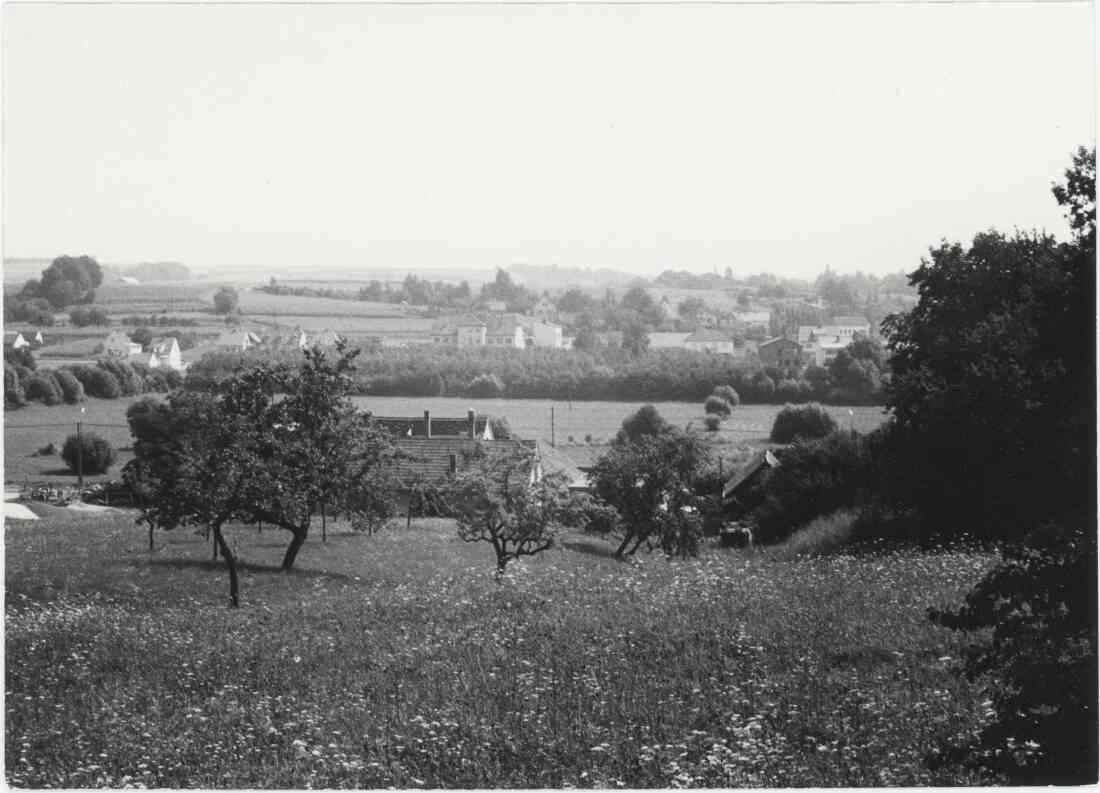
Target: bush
(803, 421)
(502, 430)
(129, 381)
(226, 300)
(486, 386)
(14, 396)
(82, 316)
(98, 382)
(96, 452)
(814, 478)
(21, 357)
(43, 387)
(727, 393)
(717, 407)
(72, 391)
(823, 535)
(788, 390)
(142, 336)
(712, 423)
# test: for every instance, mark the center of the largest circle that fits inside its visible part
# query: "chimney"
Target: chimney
(427, 424)
(471, 420)
(454, 463)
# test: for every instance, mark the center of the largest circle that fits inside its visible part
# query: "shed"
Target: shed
(737, 484)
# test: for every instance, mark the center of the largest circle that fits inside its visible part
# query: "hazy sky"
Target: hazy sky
(778, 138)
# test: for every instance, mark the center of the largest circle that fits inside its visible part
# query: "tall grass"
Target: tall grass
(397, 660)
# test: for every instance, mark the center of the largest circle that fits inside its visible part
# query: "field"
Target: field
(152, 298)
(396, 660)
(254, 302)
(29, 429)
(530, 418)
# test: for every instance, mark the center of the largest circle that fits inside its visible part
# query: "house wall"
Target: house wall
(780, 353)
(725, 346)
(471, 336)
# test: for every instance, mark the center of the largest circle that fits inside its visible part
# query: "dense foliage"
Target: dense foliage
(87, 453)
(82, 316)
(226, 300)
(802, 421)
(68, 280)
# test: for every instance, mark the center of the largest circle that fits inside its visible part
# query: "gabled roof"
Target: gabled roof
(776, 340)
(504, 325)
(583, 457)
(707, 334)
(758, 461)
(450, 324)
(413, 426)
(429, 459)
(555, 461)
(163, 346)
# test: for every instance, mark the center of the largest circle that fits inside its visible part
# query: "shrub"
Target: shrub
(727, 393)
(814, 478)
(717, 407)
(14, 396)
(486, 386)
(502, 430)
(72, 391)
(96, 452)
(823, 535)
(98, 382)
(128, 379)
(803, 421)
(172, 379)
(712, 423)
(21, 357)
(142, 336)
(787, 389)
(82, 316)
(225, 300)
(43, 387)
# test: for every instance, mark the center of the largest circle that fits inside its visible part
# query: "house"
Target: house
(464, 330)
(541, 334)
(38, 340)
(18, 342)
(472, 426)
(847, 327)
(822, 351)
(166, 354)
(434, 462)
(236, 339)
(118, 345)
(505, 330)
(736, 487)
(707, 340)
(555, 461)
(780, 352)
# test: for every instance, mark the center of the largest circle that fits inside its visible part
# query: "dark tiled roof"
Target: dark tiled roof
(758, 461)
(399, 426)
(429, 459)
(583, 457)
(554, 460)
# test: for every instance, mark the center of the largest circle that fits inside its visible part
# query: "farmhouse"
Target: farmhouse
(17, 341)
(166, 354)
(822, 343)
(540, 334)
(472, 426)
(236, 339)
(464, 330)
(433, 462)
(505, 330)
(780, 352)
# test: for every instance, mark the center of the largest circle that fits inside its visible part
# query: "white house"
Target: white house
(237, 339)
(847, 327)
(166, 354)
(464, 330)
(505, 331)
(541, 334)
(19, 342)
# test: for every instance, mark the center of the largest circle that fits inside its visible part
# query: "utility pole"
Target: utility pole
(80, 454)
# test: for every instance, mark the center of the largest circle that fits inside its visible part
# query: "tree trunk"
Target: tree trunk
(296, 543)
(231, 561)
(150, 538)
(622, 546)
(214, 544)
(324, 530)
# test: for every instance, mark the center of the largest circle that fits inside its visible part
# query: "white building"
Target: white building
(237, 339)
(707, 340)
(166, 354)
(541, 334)
(118, 345)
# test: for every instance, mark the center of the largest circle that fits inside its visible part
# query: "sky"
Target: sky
(764, 138)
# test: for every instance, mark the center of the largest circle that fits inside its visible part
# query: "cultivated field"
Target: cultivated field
(254, 302)
(530, 418)
(395, 660)
(173, 297)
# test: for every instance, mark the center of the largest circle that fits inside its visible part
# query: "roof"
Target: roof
(583, 457)
(237, 338)
(554, 460)
(660, 341)
(449, 324)
(429, 459)
(163, 346)
(759, 460)
(849, 321)
(776, 340)
(504, 325)
(413, 426)
(706, 334)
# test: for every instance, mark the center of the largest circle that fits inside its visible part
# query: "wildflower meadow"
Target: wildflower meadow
(399, 660)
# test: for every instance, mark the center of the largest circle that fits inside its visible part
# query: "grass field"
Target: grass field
(395, 660)
(29, 429)
(530, 418)
(254, 302)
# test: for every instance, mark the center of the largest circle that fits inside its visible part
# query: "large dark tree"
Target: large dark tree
(68, 280)
(993, 380)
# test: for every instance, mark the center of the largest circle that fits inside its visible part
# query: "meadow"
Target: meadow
(397, 660)
(30, 428)
(530, 418)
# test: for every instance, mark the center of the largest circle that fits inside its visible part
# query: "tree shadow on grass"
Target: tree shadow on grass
(591, 548)
(246, 567)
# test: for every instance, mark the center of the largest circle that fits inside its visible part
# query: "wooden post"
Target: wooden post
(79, 456)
